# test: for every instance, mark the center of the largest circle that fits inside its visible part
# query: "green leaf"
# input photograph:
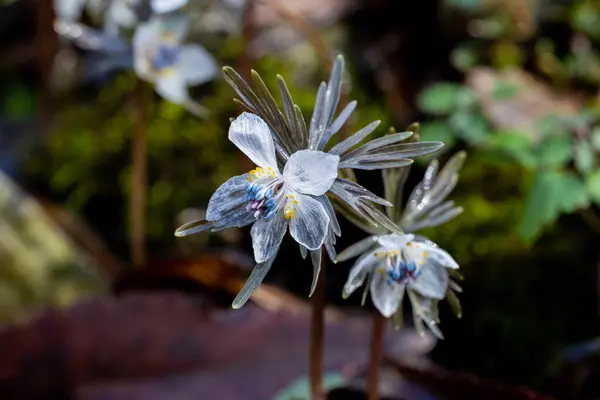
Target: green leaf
(516, 145)
(595, 138)
(440, 98)
(584, 157)
(554, 151)
(593, 185)
(471, 126)
(585, 18)
(551, 194)
(437, 131)
(552, 125)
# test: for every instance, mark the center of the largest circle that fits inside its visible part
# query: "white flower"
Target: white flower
(161, 58)
(293, 175)
(128, 13)
(399, 263)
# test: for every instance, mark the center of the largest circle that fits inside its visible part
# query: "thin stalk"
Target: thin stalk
(376, 353)
(316, 335)
(137, 228)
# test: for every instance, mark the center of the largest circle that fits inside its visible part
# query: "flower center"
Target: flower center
(289, 212)
(165, 56)
(402, 265)
(263, 193)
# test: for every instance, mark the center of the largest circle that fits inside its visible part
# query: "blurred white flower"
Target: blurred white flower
(161, 58)
(128, 13)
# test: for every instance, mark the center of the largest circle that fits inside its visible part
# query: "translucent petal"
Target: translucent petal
(254, 280)
(355, 191)
(394, 241)
(171, 86)
(375, 145)
(437, 216)
(90, 39)
(358, 248)
(144, 39)
(294, 118)
(311, 172)
(166, 6)
(338, 123)
(333, 222)
(359, 199)
(229, 195)
(330, 246)
(433, 190)
(359, 272)
(310, 224)
(303, 251)
(253, 137)
(315, 120)
(365, 163)
(432, 281)
(394, 152)
(387, 298)
(190, 228)
(69, 10)
(334, 87)
(267, 236)
(315, 257)
(441, 256)
(355, 139)
(196, 64)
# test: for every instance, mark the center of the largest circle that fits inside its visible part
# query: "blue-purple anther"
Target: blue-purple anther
(260, 200)
(402, 272)
(165, 56)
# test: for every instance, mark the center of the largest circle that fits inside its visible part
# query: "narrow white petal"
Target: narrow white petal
(166, 6)
(441, 256)
(229, 195)
(252, 136)
(394, 241)
(253, 282)
(310, 224)
(69, 10)
(267, 236)
(172, 87)
(386, 297)
(197, 226)
(311, 171)
(315, 257)
(120, 14)
(144, 39)
(335, 225)
(359, 272)
(432, 281)
(303, 251)
(358, 248)
(196, 64)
